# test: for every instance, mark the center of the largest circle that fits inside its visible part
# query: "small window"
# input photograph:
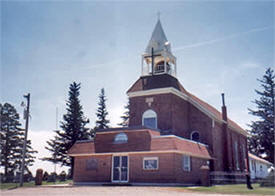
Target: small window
(186, 163)
(121, 138)
(236, 148)
(195, 136)
(261, 168)
(149, 119)
(150, 163)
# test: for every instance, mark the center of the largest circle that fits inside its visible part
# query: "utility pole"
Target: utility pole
(25, 138)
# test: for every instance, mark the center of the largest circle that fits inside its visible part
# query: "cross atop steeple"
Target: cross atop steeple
(158, 13)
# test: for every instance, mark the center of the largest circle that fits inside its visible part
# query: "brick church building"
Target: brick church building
(173, 136)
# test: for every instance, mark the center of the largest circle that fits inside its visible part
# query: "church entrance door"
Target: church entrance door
(120, 169)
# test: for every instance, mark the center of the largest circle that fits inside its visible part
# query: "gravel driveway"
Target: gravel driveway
(101, 190)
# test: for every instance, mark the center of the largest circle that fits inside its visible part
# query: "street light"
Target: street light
(26, 116)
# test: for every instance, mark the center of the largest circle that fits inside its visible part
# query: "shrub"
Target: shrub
(269, 181)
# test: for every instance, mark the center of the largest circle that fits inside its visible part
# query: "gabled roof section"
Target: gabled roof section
(155, 82)
(166, 83)
(158, 40)
(252, 156)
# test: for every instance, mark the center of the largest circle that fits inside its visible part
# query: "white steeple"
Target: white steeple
(158, 55)
(158, 40)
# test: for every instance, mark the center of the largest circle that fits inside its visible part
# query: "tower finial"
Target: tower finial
(158, 13)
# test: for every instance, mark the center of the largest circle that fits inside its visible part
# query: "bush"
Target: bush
(62, 176)
(45, 176)
(269, 181)
(52, 177)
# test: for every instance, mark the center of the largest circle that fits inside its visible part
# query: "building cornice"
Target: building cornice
(139, 152)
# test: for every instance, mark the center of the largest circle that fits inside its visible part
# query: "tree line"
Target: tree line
(73, 126)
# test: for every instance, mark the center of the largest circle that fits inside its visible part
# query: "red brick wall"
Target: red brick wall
(218, 150)
(193, 176)
(101, 174)
(202, 123)
(165, 173)
(241, 141)
(137, 141)
(175, 114)
(178, 115)
(161, 105)
(169, 171)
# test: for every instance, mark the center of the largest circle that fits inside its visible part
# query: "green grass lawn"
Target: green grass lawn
(30, 184)
(14, 185)
(239, 189)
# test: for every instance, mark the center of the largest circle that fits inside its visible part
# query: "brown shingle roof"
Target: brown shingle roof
(154, 142)
(156, 81)
(185, 146)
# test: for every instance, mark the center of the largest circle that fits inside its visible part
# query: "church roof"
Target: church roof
(155, 82)
(158, 40)
(152, 82)
(139, 141)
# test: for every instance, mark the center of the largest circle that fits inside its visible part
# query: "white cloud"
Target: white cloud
(38, 140)
(207, 42)
(250, 65)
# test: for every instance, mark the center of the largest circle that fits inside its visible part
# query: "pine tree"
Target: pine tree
(261, 140)
(11, 145)
(102, 122)
(126, 115)
(73, 129)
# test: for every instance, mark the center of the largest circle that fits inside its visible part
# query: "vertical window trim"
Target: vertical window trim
(189, 163)
(236, 147)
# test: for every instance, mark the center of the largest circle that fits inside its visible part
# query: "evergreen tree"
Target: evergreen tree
(126, 115)
(261, 140)
(73, 129)
(11, 145)
(102, 122)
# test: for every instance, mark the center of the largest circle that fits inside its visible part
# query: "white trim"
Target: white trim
(184, 97)
(150, 158)
(157, 91)
(123, 131)
(189, 163)
(120, 162)
(140, 152)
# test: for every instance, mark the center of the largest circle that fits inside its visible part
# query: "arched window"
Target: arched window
(195, 136)
(149, 119)
(121, 138)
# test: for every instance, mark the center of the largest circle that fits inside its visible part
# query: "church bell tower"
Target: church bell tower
(152, 96)
(158, 57)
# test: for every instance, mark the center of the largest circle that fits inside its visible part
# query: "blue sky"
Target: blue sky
(221, 46)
